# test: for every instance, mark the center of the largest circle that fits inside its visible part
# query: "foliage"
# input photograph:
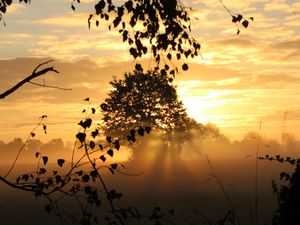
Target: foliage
(143, 99)
(288, 195)
(5, 3)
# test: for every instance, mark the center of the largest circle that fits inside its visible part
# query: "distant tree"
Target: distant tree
(143, 99)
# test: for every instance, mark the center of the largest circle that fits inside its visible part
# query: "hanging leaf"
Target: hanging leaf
(85, 178)
(45, 159)
(60, 162)
(42, 171)
(245, 23)
(114, 166)
(103, 158)
(45, 128)
(110, 152)
(148, 129)
(92, 144)
(185, 67)
(108, 139)
(37, 154)
(117, 144)
(81, 137)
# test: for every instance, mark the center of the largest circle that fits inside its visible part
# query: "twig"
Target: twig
(50, 86)
(23, 146)
(28, 79)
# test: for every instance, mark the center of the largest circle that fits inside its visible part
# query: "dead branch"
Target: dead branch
(28, 79)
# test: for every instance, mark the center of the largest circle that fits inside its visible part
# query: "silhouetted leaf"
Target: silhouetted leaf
(108, 139)
(92, 144)
(239, 18)
(185, 67)
(117, 144)
(45, 159)
(95, 133)
(141, 131)
(45, 128)
(245, 23)
(37, 154)
(60, 162)
(85, 178)
(81, 137)
(148, 129)
(103, 158)
(42, 171)
(25, 177)
(110, 152)
(114, 166)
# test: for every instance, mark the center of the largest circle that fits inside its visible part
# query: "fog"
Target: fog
(206, 176)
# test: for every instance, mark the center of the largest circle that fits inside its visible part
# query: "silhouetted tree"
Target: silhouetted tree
(143, 99)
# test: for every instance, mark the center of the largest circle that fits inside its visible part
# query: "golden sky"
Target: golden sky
(240, 81)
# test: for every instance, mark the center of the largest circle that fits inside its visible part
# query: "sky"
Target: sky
(240, 80)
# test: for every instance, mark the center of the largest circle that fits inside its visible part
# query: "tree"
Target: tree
(143, 99)
(165, 32)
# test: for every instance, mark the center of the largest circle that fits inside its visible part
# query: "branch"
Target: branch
(50, 86)
(34, 75)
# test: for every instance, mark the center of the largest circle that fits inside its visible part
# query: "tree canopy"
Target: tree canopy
(143, 99)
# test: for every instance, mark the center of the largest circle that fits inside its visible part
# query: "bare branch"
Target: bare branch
(34, 75)
(50, 86)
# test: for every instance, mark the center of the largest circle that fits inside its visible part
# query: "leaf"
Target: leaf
(79, 173)
(95, 133)
(45, 128)
(45, 159)
(104, 107)
(141, 131)
(251, 18)
(234, 19)
(60, 162)
(239, 18)
(117, 144)
(103, 158)
(37, 154)
(42, 171)
(185, 67)
(114, 166)
(87, 99)
(81, 137)
(238, 32)
(148, 129)
(245, 23)
(169, 56)
(93, 110)
(85, 178)
(25, 177)
(32, 134)
(92, 144)
(108, 139)
(110, 152)
(73, 7)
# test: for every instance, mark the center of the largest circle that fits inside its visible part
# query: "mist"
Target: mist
(202, 176)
